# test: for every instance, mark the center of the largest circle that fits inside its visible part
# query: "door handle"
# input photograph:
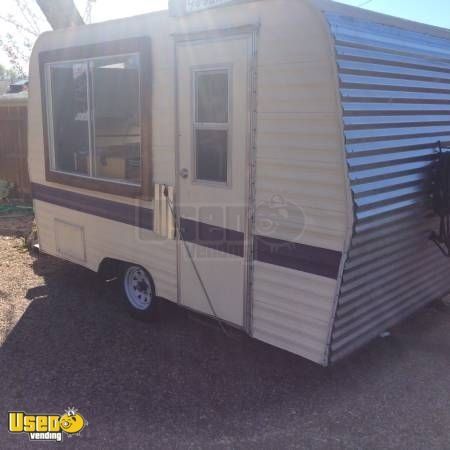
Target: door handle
(184, 173)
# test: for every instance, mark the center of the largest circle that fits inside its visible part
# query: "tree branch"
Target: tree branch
(60, 13)
(19, 26)
(29, 15)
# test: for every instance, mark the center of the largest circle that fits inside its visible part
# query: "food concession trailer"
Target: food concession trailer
(263, 162)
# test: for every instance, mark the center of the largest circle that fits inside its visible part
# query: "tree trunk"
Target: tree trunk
(60, 13)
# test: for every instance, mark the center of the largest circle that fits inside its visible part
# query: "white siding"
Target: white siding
(300, 162)
(298, 133)
(110, 239)
(156, 27)
(292, 310)
(299, 159)
(107, 238)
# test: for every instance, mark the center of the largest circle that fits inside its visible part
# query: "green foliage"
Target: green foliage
(10, 74)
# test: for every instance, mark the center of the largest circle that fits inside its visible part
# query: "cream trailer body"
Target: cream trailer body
(264, 162)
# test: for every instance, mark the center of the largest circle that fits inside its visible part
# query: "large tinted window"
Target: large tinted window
(69, 84)
(117, 121)
(96, 118)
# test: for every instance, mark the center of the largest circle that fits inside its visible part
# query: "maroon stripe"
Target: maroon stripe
(119, 212)
(292, 255)
(212, 236)
(305, 258)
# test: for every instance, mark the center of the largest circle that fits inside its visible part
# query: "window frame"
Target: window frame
(140, 46)
(225, 126)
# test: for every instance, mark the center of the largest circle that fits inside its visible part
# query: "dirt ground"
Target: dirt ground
(66, 340)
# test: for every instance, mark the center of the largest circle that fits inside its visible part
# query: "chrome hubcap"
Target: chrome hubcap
(138, 288)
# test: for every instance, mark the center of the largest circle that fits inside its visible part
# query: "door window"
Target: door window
(211, 125)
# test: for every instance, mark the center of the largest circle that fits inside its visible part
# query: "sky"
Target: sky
(114, 9)
(434, 12)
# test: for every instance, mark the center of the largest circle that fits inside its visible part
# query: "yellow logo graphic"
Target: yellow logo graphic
(47, 427)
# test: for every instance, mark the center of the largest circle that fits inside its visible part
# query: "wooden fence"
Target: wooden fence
(13, 143)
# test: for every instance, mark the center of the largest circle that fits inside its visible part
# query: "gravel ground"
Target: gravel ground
(65, 340)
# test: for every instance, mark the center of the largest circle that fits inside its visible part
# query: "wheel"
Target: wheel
(139, 292)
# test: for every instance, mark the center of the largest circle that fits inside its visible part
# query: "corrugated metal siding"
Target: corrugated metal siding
(395, 92)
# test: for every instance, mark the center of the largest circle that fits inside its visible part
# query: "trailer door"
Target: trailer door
(213, 130)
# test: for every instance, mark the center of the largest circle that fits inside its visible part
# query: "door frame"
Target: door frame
(249, 32)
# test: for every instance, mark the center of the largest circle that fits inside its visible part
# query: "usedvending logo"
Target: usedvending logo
(47, 427)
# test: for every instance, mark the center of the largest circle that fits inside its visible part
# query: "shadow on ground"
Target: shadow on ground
(15, 226)
(181, 383)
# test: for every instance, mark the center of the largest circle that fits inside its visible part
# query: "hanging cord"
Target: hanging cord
(441, 199)
(200, 279)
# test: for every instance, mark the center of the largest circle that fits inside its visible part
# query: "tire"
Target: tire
(138, 292)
